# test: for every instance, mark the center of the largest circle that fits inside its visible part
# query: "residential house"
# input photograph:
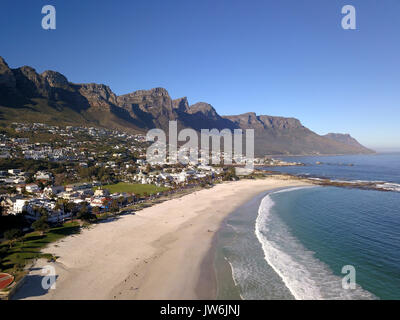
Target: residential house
(101, 192)
(20, 205)
(53, 190)
(32, 188)
(43, 176)
(14, 171)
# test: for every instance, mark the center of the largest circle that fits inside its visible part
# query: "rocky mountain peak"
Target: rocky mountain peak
(55, 79)
(3, 64)
(98, 95)
(155, 92)
(280, 122)
(181, 104)
(263, 122)
(343, 138)
(204, 108)
(153, 100)
(338, 135)
(29, 71)
(7, 77)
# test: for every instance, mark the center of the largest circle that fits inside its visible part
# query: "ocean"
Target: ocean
(300, 243)
(383, 167)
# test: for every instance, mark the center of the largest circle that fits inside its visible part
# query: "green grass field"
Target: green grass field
(136, 188)
(13, 259)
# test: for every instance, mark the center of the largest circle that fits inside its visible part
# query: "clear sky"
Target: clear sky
(286, 57)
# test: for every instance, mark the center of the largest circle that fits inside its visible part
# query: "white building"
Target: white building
(41, 175)
(32, 188)
(19, 180)
(19, 205)
(14, 171)
(29, 205)
(101, 192)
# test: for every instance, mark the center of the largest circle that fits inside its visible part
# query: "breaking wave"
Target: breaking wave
(305, 276)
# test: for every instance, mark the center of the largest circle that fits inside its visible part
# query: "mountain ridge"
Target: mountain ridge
(49, 97)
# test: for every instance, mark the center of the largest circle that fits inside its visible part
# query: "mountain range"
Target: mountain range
(27, 96)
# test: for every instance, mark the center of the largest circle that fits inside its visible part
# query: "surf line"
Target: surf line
(270, 251)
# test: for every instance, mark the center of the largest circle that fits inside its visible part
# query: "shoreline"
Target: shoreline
(383, 186)
(222, 265)
(220, 262)
(162, 252)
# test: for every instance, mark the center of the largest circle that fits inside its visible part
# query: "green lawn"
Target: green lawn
(136, 188)
(13, 259)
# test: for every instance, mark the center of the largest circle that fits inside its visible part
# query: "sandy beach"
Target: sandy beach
(161, 252)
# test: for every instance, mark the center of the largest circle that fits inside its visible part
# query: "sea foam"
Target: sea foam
(305, 276)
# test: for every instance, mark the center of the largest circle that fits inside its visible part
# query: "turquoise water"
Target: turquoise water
(293, 243)
(348, 227)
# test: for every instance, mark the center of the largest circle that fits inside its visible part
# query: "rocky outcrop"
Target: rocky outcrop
(152, 108)
(55, 79)
(251, 120)
(346, 139)
(205, 109)
(98, 95)
(146, 100)
(30, 83)
(181, 104)
(7, 78)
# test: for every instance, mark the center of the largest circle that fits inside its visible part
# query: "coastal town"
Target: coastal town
(62, 177)
(56, 173)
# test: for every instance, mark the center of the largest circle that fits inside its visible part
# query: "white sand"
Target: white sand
(155, 254)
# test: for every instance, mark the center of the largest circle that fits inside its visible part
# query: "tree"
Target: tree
(132, 169)
(229, 175)
(84, 213)
(96, 210)
(121, 200)
(148, 168)
(40, 225)
(13, 235)
(29, 179)
(70, 207)
(114, 206)
(59, 206)
(43, 213)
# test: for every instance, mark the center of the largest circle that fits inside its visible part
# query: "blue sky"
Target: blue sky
(286, 58)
